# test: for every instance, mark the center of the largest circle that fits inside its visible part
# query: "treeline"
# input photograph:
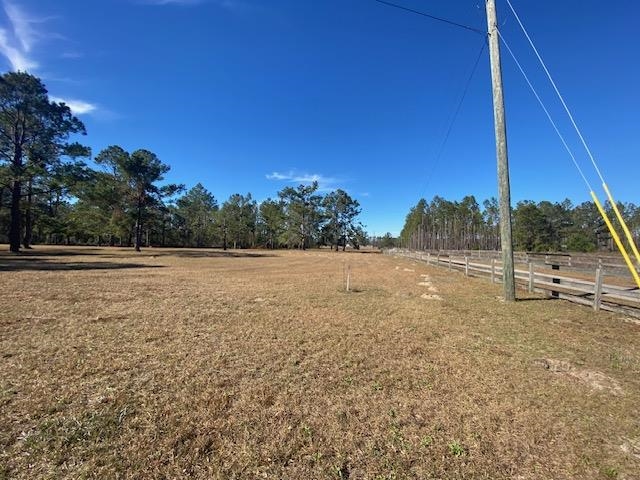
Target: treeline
(543, 226)
(106, 213)
(49, 194)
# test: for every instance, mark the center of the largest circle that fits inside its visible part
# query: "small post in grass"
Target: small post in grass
(348, 276)
(466, 266)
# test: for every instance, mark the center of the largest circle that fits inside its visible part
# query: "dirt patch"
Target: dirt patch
(428, 296)
(631, 447)
(426, 282)
(594, 380)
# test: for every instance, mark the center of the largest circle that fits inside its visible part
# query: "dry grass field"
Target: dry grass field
(255, 364)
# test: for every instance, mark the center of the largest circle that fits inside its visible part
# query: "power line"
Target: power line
(555, 127)
(432, 17)
(616, 210)
(566, 108)
(455, 115)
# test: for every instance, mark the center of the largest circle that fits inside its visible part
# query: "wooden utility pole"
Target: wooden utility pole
(504, 191)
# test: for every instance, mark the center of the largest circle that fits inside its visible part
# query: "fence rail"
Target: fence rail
(538, 278)
(614, 263)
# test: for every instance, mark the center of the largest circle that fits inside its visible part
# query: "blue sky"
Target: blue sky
(254, 95)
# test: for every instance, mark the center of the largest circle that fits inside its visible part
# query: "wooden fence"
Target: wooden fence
(537, 277)
(613, 263)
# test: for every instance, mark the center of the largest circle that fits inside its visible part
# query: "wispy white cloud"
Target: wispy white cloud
(18, 59)
(78, 107)
(22, 24)
(325, 183)
(294, 177)
(277, 176)
(17, 39)
(19, 36)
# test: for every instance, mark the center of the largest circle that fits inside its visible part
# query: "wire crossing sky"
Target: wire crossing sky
(432, 17)
(253, 96)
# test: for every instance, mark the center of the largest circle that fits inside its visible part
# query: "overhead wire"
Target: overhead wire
(462, 98)
(455, 113)
(544, 108)
(432, 17)
(596, 200)
(555, 87)
(468, 82)
(567, 110)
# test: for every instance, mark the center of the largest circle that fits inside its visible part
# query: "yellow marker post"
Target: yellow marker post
(622, 222)
(616, 238)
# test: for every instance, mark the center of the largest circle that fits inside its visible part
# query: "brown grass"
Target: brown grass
(199, 364)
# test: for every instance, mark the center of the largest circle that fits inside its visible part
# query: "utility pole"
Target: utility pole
(504, 191)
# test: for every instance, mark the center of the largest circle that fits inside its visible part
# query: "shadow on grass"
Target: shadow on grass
(128, 252)
(52, 252)
(212, 254)
(26, 264)
(186, 254)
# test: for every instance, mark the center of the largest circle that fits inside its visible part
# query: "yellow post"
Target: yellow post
(623, 223)
(616, 238)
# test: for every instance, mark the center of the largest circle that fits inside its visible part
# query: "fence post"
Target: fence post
(438, 260)
(597, 294)
(530, 277)
(429, 258)
(554, 293)
(493, 270)
(466, 266)
(449, 262)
